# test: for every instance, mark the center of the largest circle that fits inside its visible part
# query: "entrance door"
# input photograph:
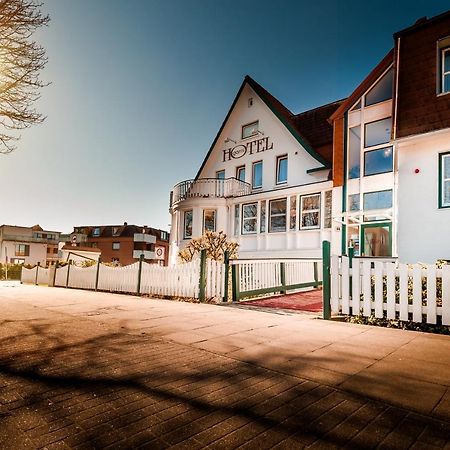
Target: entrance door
(376, 239)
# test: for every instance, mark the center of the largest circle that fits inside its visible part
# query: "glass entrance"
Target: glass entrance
(376, 239)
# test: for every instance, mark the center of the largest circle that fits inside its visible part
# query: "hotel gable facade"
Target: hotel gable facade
(371, 171)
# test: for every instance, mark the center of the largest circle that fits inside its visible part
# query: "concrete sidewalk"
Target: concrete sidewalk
(81, 369)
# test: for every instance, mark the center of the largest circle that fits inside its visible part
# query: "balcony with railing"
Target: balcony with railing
(209, 188)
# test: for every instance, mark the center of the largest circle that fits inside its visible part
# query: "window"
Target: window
(249, 218)
(282, 168)
(354, 151)
(377, 200)
(277, 215)
(257, 175)
(164, 236)
(96, 231)
(377, 133)
(381, 91)
(353, 202)
(378, 161)
(328, 209)
(188, 224)
(293, 213)
(94, 245)
(220, 174)
(250, 129)
(236, 219)
(209, 220)
(357, 106)
(116, 231)
(310, 212)
(17, 261)
(22, 250)
(116, 245)
(240, 173)
(444, 180)
(444, 64)
(262, 217)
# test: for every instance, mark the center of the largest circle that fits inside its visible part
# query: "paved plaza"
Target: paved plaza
(87, 370)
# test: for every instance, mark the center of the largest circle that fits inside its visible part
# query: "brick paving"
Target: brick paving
(88, 370)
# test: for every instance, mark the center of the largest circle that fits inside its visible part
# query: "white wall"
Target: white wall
(299, 160)
(423, 228)
(38, 252)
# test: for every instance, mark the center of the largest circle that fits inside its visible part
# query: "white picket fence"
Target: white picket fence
(390, 289)
(260, 275)
(175, 281)
(29, 275)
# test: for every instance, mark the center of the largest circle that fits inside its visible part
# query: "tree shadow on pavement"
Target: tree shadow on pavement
(89, 387)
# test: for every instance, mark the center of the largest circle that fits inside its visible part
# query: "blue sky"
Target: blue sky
(140, 88)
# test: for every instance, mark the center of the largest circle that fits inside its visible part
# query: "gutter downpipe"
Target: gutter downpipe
(344, 189)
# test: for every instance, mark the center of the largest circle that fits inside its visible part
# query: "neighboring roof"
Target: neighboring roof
(314, 125)
(286, 117)
(365, 84)
(33, 228)
(124, 230)
(422, 23)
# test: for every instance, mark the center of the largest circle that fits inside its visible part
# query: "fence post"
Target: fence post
(68, 272)
(54, 273)
(202, 281)
(226, 261)
(283, 278)
(316, 274)
(235, 282)
(98, 272)
(141, 260)
(326, 278)
(37, 270)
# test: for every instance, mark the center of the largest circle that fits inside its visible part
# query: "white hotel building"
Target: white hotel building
(371, 171)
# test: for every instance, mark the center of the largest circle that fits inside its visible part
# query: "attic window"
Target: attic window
(251, 129)
(381, 91)
(357, 106)
(250, 102)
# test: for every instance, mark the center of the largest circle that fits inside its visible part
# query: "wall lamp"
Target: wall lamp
(229, 140)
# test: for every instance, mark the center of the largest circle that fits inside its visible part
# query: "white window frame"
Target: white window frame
(442, 180)
(309, 211)
(214, 211)
(249, 125)
(286, 225)
(279, 159)
(245, 219)
(238, 171)
(185, 236)
(116, 245)
(443, 72)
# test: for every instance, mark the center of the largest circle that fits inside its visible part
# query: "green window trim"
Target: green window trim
(442, 181)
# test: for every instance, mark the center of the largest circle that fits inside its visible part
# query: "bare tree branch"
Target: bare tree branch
(21, 62)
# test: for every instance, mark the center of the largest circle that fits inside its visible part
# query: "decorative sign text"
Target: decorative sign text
(256, 146)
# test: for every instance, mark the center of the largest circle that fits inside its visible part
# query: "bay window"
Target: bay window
(188, 215)
(249, 218)
(277, 215)
(309, 212)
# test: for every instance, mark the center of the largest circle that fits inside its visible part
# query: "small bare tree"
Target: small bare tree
(215, 244)
(21, 62)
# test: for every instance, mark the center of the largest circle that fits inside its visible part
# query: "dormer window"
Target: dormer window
(249, 130)
(96, 232)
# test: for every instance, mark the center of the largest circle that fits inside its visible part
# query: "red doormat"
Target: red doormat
(300, 301)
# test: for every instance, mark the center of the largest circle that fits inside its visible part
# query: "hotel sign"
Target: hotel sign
(256, 146)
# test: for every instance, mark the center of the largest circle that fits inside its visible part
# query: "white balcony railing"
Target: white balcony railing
(209, 188)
